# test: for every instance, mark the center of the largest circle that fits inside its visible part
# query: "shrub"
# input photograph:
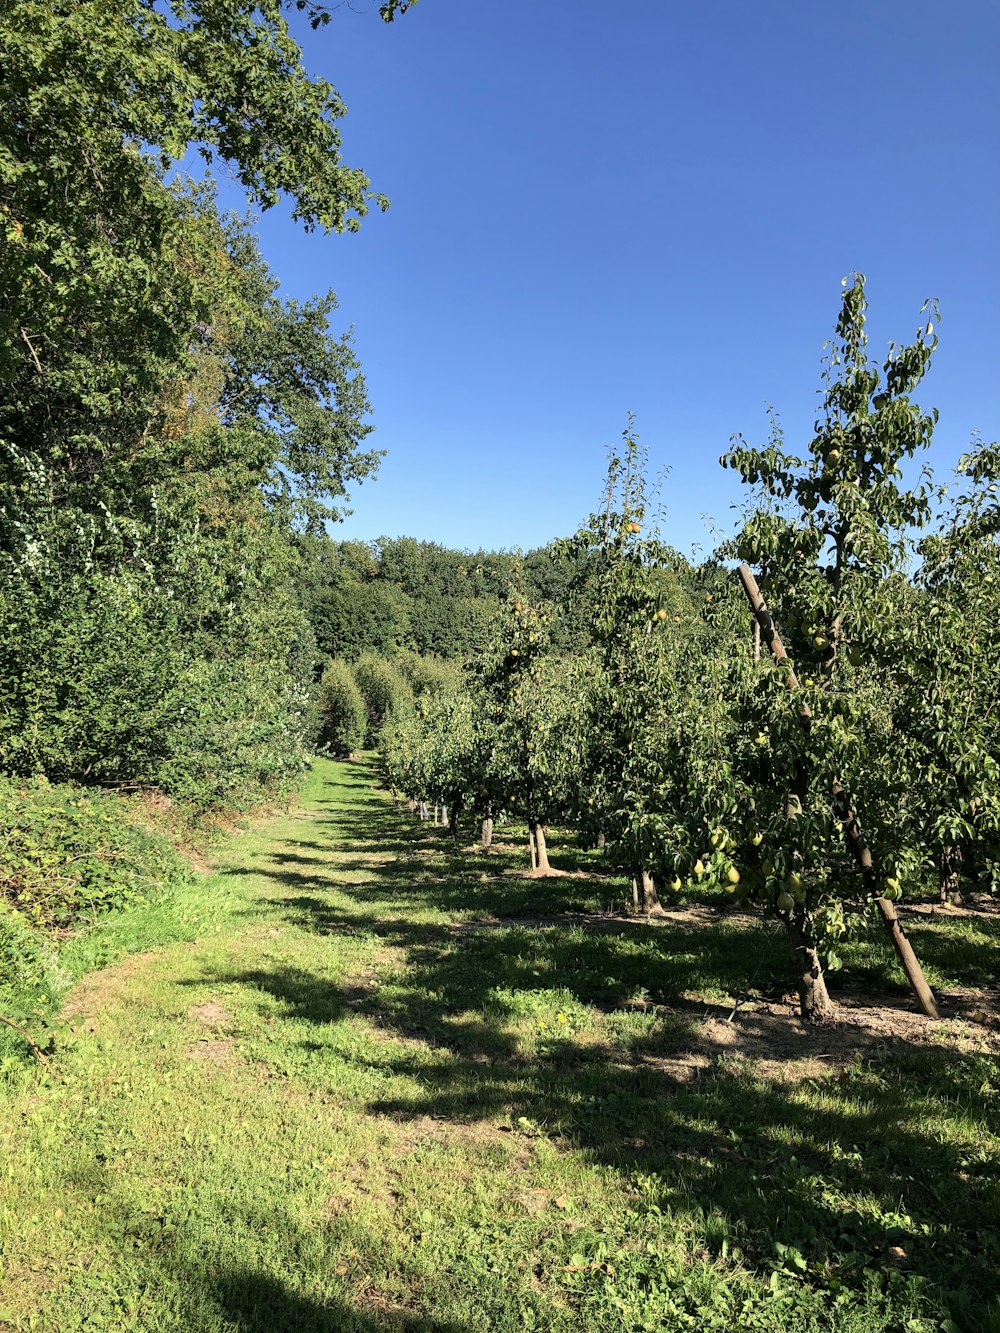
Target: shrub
(343, 710)
(67, 854)
(383, 689)
(30, 974)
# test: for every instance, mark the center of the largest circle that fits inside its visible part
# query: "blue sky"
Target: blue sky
(601, 208)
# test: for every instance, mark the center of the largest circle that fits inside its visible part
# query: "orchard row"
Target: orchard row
(860, 768)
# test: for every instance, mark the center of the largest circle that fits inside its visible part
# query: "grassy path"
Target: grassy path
(345, 1107)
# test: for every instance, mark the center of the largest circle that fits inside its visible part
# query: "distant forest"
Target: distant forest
(400, 594)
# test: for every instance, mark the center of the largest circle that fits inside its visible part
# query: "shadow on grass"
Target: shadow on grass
(257, 1303)
(229, 1286)
(883, 1171)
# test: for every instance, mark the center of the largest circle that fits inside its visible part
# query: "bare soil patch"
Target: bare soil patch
(695, 915)
(221, 1049)
(765, 1039)
(101, 990)
(211, 1013)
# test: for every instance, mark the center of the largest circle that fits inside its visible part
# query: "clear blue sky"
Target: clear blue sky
(600, 208)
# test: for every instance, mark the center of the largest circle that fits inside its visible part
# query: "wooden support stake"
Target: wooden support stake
(848, 819)
(893, 926)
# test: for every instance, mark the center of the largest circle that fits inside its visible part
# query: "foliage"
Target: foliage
(30, 976)
(342, 709)
(423, 598)
(429, 750)
(426, 675)
(184, 668)
(948, 714)
(149, 479)
(384, 689)
(69, 855)
(528, 711)
(350, 617)
(654, 696)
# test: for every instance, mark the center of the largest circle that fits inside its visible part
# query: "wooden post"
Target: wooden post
(893, 927)
(908, 959)
(848, 819)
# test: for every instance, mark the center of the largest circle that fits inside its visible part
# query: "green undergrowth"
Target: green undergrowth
(389, 1086)
(87, 876)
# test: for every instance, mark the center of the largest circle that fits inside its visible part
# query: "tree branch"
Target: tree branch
(36, 1049)
(31, 349)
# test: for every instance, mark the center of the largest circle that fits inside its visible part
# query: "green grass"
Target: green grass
(331, 1101)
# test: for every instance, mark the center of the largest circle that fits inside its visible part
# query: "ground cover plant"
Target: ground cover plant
(399, 1084)
(69, 857)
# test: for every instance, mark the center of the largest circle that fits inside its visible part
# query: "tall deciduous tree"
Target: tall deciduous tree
(164, 416)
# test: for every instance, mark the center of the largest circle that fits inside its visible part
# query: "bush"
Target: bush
(30, 974)
(67, 855)
(427, 675)
(383, 689)
(345, 718)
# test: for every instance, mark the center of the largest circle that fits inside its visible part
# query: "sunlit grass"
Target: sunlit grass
(328, 1101)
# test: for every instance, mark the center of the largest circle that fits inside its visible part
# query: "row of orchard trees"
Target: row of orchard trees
(357, 700)
(681, 744)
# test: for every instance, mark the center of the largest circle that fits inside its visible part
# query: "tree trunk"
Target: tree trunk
(453, 822)
(486, 831)
(411, 806)
(542, 851)
(435, 814)
(651, 904)
(601, 840)
(814, 997)
(635, 892)
(907, 958)
(904, 949)
(948, 863)
(444, 816)
(531, 846)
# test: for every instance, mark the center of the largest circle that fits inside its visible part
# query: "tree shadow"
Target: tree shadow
(838, 1166)
(877, 1167)
(202, 1283)
(260, 1303)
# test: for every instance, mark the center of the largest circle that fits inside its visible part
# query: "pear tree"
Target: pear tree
(828, 533)
(949, 714)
